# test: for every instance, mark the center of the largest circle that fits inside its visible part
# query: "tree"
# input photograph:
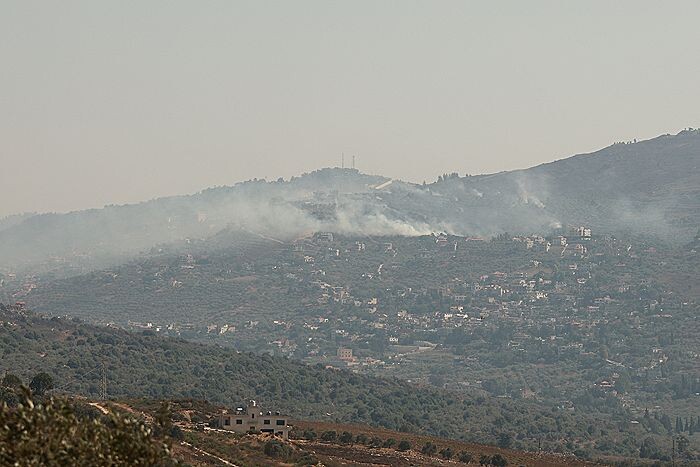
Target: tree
(345, 437)
(446, 453)
(274, 448)
(428, 449)
(465, 457)
(666, 422)
(375, 442)
(505, 440)
(497, 460)
(41, 383)
(649, 449)
(404, 445)
(163, 419)
(361, 438)
(11, 381)
(53, 434)
(623, 383)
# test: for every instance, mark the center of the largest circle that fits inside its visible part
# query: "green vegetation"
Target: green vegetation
(141, 365)
(588, 339)
(404, 445)
(57, 432)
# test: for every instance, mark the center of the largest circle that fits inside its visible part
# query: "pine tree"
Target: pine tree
(666, 422)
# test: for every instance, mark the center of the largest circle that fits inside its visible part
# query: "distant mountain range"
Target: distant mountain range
(649, 188)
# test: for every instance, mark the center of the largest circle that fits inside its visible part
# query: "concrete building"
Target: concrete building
(345, 354)
(584, 232)
(253, 419)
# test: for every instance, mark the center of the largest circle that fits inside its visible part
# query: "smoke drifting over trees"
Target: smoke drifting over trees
(648, 187)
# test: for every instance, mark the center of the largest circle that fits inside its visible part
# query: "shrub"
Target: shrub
(306, 460)
(361, 438)
(465, 457)
(11, 381)
(274, 448)
(41, 383)
(9, 397)
(51, 434)
(428, 449)
(404, 445)
(446, 453)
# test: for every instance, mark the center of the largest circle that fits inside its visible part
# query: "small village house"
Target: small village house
(253, 419)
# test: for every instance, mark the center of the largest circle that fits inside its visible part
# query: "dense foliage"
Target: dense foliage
(602, 326)
(151, 366)
(56, 432)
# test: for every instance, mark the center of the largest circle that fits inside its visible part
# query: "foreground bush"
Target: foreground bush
(52, 433)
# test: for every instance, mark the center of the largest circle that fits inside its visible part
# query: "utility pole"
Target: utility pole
(103, 388)
(353, 162)
(673, 452)
(342, 160)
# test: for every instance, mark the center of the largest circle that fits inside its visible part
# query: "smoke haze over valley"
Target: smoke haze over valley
(359, 233)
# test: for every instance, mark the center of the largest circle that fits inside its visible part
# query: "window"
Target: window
(239, 422)
(266, 422)
(253, 416)
(227, 421)
(280, 422)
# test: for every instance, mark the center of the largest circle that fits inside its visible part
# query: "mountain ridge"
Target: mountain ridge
(648, 187)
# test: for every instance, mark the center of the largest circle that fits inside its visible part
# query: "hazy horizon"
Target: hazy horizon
(113, 103)
(347, 164)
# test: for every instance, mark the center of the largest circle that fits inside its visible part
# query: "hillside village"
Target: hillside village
(508, 316)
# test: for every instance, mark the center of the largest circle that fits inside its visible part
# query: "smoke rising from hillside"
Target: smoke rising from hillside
(648, 188)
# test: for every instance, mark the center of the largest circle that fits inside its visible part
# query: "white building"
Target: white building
(253, 419)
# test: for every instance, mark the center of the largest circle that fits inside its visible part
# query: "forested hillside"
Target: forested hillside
(144, 365)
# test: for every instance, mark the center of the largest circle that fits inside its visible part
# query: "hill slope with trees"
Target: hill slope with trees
(144, 365)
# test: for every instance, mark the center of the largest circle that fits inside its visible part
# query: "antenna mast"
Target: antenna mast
(342, 160)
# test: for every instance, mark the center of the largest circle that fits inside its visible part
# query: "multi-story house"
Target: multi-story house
(253, 419)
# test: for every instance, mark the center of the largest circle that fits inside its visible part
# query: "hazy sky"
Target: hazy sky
(122, 101)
